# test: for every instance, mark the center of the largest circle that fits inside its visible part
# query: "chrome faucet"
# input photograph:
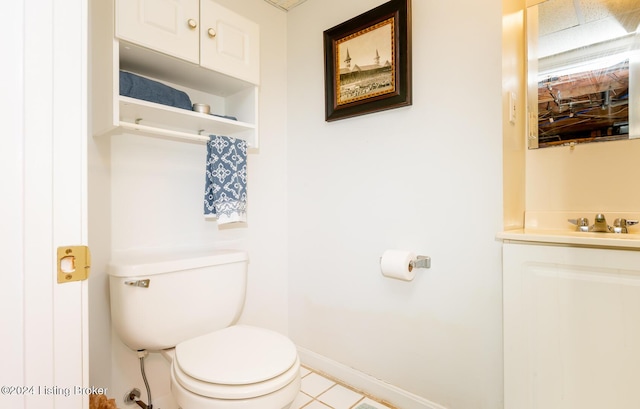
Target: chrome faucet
(600, 224)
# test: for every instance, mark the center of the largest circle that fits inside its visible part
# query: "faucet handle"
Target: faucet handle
(620, 225)
(581, 222)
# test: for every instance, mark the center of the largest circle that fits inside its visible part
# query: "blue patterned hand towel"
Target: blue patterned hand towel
(225, 196)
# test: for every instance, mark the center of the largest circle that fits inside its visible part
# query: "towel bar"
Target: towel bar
(167, 132)
(164, 132)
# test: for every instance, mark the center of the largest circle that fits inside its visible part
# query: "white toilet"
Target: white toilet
(185, 305)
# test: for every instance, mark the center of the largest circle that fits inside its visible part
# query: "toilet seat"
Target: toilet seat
(237, 362)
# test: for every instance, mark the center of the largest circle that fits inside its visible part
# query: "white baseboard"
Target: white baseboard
(365, 383)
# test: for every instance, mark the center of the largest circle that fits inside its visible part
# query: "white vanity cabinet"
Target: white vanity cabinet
(198, 31)
(571, 327)
(155, 39)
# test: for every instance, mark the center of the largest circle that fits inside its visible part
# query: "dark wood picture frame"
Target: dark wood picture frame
(368, 62)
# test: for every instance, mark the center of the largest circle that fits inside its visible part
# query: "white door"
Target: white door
(43, 104)
(169, 26)
(229, 43)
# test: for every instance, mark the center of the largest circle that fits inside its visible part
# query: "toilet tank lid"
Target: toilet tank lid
(144, 263)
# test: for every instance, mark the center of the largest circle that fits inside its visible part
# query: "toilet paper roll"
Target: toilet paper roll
(397, 264)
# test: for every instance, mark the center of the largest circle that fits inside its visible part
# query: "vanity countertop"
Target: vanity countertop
(553, 228)
(627, 241)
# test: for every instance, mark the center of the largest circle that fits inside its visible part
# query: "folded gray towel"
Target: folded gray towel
(135, 86)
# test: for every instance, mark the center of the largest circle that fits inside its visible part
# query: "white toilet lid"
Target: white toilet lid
(237, 355)
(219, 391)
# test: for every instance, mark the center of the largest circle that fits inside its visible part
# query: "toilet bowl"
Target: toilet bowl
(185, 306)
(238, 367)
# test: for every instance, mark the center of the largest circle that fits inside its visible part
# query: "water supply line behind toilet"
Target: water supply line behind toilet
(134, 395)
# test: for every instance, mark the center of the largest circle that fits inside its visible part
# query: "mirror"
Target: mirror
(583, 66)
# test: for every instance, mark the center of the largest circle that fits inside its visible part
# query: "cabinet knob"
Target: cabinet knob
(212, 32)
(192, 23)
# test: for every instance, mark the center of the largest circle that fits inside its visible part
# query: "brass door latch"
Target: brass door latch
(74, 263)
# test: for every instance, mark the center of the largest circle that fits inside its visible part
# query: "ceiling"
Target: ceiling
(570, 24)
(557, 15)
(285, 5)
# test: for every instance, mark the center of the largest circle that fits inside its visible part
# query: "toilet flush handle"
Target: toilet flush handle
(138, 283)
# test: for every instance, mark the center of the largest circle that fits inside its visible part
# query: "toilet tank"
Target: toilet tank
(188, 293)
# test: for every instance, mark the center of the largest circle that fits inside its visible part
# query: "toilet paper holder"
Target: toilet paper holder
(421, 262)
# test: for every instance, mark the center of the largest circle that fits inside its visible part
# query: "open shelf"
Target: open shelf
(150, 117)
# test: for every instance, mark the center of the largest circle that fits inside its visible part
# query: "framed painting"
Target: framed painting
(368, 62)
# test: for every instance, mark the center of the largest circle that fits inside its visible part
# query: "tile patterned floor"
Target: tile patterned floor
(320, 392)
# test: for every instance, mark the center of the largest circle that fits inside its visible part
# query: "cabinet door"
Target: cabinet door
(168, 26)
(571, 327)
(229, 43)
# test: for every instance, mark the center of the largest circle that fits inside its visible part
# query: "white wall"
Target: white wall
(591, 178)
(267, 234)
(426, 178)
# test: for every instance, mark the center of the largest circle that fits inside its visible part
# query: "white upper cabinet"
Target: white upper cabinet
(229, 43)
(168, 26)
(194, 46)
(198, 31)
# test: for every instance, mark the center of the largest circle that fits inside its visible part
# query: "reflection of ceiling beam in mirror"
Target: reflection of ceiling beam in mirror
(595, 56)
